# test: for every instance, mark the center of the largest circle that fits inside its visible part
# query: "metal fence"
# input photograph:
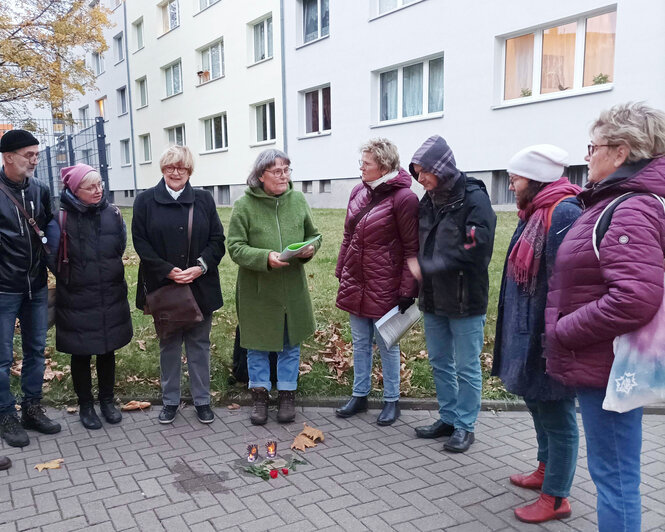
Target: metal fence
(64, 143)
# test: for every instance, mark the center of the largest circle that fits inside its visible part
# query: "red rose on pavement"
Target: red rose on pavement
(273, 473)
(285, 471)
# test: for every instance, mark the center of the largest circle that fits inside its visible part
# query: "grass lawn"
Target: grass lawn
(137, 372)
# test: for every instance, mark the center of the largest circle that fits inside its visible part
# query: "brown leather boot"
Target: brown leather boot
(287, 406)
(260, 407)
(544, 509)
(531, 481)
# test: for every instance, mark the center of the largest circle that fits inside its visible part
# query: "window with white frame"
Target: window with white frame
(144, 144)
(170, 15)
(390, 5)
(315, 19)
(325, 186)
(142, 91)
(317, 110)
(206, 3)
(212, 62)
(119, 47)
(84, 116)
(101, 107)
(572, 55)
(173, 79)
(97, 63)
(262, 39)
(216, 134)
(307, 187)
(176, 135)
(265, 121)
(124, 153)
(411, 90)
(138, 34)
(122, 100)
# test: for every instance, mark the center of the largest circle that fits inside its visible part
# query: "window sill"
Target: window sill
(318, 39)
(315, 135)
(142, 107)
(420, 118)
(142, 163)
(172, 96)
(263, 143)
(211, 80)
(122, 114)
(118, 62)
(555, 96)
(125, 165)
(168, 31)
(259, 62)
(138, 50)
(386, 13)
(97, 74)
(205, 8)
(218, 150)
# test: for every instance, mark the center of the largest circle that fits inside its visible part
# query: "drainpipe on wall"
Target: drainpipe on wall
(282, 48)
(129, 95)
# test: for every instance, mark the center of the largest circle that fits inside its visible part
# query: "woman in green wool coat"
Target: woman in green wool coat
(272, 297)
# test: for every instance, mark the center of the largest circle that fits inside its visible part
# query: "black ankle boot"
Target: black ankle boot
(355, 405)
(389, 414)
(111, 414)
(89, 418)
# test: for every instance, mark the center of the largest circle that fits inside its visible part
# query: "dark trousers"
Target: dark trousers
(82, 377)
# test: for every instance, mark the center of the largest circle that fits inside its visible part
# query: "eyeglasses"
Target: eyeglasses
(362, 163)
(173, 169)
(279, 172)
(93, 188)
(591, 148)
(29, 156)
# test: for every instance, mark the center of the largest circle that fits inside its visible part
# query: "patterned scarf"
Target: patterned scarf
(524, 259)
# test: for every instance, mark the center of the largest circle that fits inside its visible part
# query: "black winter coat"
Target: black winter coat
(92, 312)
(456, 242)
(22, 257)
(159, 232)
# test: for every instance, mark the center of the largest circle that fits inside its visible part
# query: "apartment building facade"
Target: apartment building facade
(319, 78)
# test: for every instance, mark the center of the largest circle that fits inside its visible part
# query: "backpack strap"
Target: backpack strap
(548, 221)
(63, 255)
(604, 221)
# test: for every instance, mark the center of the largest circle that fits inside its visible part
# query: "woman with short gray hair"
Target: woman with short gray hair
(272, 297)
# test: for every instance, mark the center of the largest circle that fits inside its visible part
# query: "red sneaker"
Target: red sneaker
(531, 481)
(544, 509)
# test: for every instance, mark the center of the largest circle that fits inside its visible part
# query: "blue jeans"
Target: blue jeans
(454, 346)
(33, 315)
(613, 446)
(288, 366)
(363, 333)
(558, 440)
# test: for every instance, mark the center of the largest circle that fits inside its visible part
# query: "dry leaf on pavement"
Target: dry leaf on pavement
(312, 433)
(136, 405)
(233, 406)
(72, 409)
(301, 442)
(53, 464)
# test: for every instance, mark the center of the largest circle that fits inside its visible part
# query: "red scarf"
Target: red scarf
(524, 259)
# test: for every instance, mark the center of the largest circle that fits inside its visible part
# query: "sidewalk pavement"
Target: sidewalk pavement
(140, 475)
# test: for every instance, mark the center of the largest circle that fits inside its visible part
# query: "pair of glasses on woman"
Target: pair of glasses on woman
(94, 188)
(173, 169)
(279, 172)
(592, 148)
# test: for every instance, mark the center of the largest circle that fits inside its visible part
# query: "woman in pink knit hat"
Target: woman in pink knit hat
(92, 311)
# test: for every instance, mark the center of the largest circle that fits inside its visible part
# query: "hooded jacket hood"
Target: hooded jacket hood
(435, 157)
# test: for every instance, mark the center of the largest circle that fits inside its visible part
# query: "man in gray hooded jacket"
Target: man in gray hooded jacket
(456, 233)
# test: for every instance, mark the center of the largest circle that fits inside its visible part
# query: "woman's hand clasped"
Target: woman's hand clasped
(185, 276)
(274, 262)
(306, 253)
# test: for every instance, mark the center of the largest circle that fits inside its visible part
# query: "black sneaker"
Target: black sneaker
(12, 431)
(167, 415)
(205, 413)
(33, 417)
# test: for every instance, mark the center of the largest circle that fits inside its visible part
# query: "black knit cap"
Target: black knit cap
(15, 139)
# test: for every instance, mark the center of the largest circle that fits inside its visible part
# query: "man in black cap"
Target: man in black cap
(23, 285)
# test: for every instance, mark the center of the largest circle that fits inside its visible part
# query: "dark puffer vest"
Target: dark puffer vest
(92, 312)
(371, 266)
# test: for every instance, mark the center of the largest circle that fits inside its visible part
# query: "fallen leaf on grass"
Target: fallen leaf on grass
(305, 368)
(136, 405)
(233, 406)
(72, 409)
(302, 442)
(53, 464)
(141, 344)
(312, 433)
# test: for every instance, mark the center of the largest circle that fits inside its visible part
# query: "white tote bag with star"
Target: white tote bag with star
(637, 377)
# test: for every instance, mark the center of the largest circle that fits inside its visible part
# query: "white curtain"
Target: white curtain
(435, 89)
(388, 95)
(310, 20)
(412, 95)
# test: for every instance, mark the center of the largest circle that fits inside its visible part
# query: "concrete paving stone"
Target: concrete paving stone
(95, 512)
(280, 492)
(259, 525)
(286, 511)
(101, 527)
(347, 521)
(174, 524)
(177, 508)
(472, 496)
(35, 521)
(376, 524)
(378, 481)
(331, 487)
(406, 486)
(310, 497)
(353, 476)
(22, 498)
(439, 521)
(369, 508)
(205, 514)
(122, 518)
(300, 526)
(459, 514)
(493, 518)
(390, 497)
(468, 527)
(315, 515)
(401, 515)
(416, 499)
(148, 522)
(321, 472)
(67, 525)
(8, 527)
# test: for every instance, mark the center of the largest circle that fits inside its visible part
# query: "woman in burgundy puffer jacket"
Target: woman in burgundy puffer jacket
(380, 234)
(592, 300)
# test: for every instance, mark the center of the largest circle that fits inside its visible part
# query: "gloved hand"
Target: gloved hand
(404, 303)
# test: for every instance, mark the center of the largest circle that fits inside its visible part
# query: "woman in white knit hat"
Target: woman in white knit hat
(547, 208)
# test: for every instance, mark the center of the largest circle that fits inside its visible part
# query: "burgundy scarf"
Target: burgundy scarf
(524, 259)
